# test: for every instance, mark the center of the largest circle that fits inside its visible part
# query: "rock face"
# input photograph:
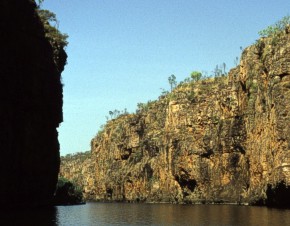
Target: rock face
(224, 139)
(81, 170)
(31, 108)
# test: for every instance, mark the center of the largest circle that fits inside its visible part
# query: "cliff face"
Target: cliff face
(31, 107)
(80, 169)
(223, 139)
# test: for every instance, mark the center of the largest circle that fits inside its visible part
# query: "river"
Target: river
(150, 214)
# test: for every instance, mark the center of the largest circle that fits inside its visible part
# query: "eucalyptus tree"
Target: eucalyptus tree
(172, 81)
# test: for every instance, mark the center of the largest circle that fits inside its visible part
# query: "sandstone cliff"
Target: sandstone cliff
(224, 139)
(31, 107)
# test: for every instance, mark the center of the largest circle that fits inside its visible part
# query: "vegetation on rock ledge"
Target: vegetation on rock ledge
(67, 193)
(278, 27)
(57, 39)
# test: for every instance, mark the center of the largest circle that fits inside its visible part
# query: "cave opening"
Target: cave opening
(186, 182)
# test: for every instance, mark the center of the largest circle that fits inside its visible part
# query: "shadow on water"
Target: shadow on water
(42, 216)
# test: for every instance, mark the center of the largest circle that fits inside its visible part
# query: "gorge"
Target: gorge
(223, 139)
(217, 140)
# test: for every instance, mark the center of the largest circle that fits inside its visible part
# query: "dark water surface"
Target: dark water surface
(150, 214)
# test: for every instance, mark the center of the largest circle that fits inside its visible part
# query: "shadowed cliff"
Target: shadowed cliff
(30, 107)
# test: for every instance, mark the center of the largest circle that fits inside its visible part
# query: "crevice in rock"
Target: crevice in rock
(148, 171)
(283, 75)
(185, 182)
(109, 192)
(126, 153)
(240, 149)
(207, 154)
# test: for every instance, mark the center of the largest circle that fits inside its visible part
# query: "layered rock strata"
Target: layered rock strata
(224, 139)
(31, 107)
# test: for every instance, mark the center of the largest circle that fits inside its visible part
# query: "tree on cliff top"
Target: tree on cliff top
(50, 24)
(57, 39)
(172, 81)
(275, 29)
(195, 76)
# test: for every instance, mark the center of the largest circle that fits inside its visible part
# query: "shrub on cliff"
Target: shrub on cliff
(57, 39)
(276, 30)
(51, 31)
(50, 24)
(195, 76)
(67, 193)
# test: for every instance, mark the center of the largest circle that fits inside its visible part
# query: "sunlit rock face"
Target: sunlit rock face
(30, 108)
(218, 140)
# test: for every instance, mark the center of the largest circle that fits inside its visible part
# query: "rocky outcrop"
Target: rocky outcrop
(224, 139)
(31, 107)
(80, 169)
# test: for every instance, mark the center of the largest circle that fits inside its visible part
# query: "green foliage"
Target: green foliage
(47, 16)
(195, 76)
(116, 113)
(164, 94)
(75, 156)
(141, 107)
(67, 193)
(275, 29)
(111, 113)
(224, 68)
(220, 70)
(172, 81)
(186, 80)
(50, 23)
(172, 96)
(217, 71)
(57, 39)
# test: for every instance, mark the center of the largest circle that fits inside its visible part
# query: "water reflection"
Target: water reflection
(148, 214)
(168, 214)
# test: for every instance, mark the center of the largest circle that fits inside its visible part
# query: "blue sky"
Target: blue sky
(121, 52)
